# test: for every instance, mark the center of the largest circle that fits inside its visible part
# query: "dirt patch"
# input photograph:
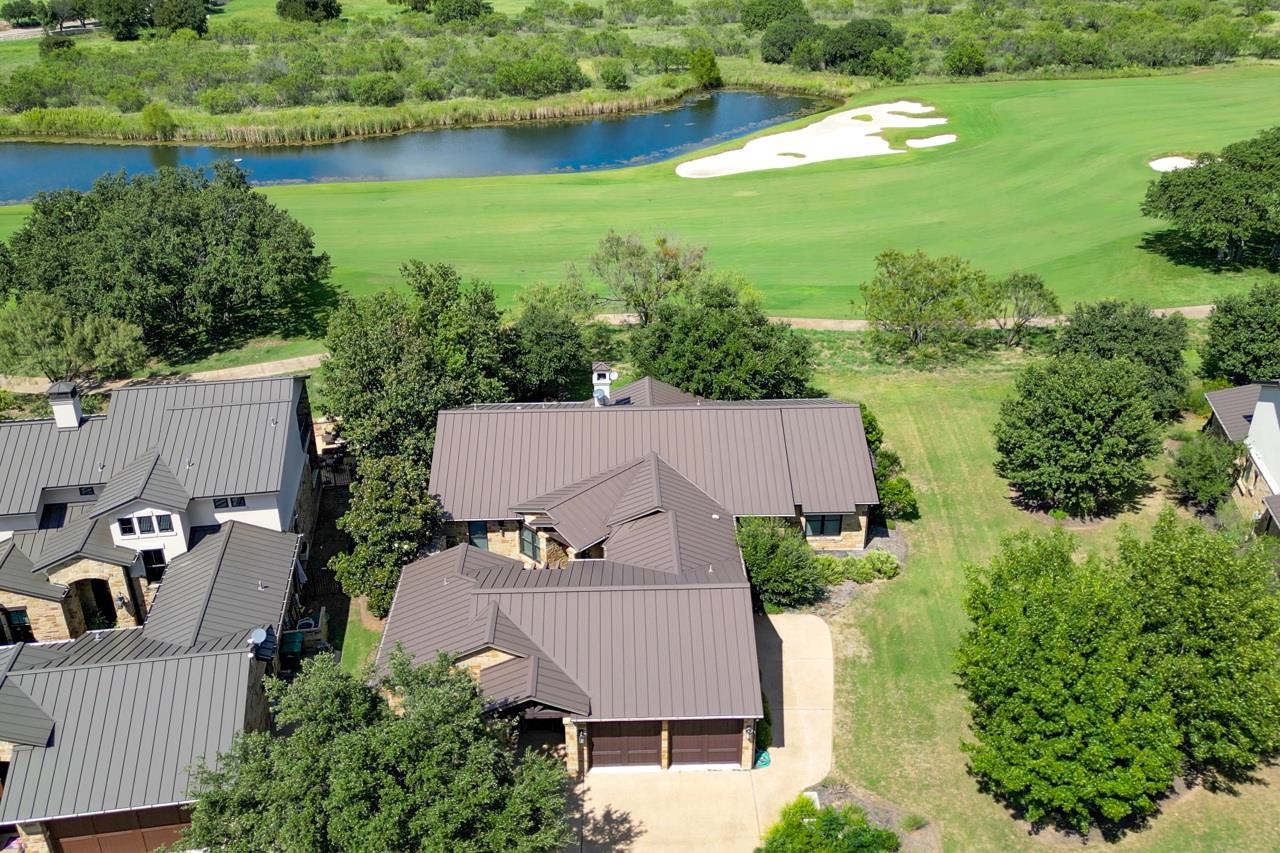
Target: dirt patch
(884, 814)
(367, 619)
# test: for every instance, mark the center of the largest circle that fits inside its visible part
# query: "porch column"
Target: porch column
(748, 744)
(575, 758)
(666, 745)
(35, 838)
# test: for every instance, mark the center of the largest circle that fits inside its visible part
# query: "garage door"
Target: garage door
(705, 741)
(123, 832)
(625, 744)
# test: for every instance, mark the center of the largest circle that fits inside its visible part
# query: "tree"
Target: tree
(39, 336)
(392, 517)
(849, 48)
(21, 13)
(1115, 329)
(124, 19)
(805, 827)
(551, 335)
(460, 10)
(174, 15)
(705, 69)
(395, 361)
(1211, 623)
(316, 11)
(1205, 470)
(1243, 341)
(614, 75)
(1076, 433)
(714, 340)
(915, 301)
(198, 262)
(965, 58)
(640, 278)
(894, 64)
(548, 72)
(755, 15)
(1070, 724)
(157, 123)
(346, 773)
(781, 37)
(1020, 298)
(780, 563)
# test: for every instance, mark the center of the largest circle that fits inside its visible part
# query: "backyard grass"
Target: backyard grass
(900, 717)
(358, 642)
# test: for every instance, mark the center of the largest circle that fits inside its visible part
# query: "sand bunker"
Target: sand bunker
(1171, 164)
(852, 133)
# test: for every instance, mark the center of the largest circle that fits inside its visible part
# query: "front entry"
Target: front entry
(633, 744)
(706, 741)
(96, 603)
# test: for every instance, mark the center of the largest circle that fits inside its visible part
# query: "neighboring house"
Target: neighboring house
(1250, 414)
(98, 735)
(599, 592)
(95, 510)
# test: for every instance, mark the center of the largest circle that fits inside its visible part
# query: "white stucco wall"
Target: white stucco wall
(1264, 436)
(173, 543)
(258, 510)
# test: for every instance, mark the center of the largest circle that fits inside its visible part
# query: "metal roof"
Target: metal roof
(216, 438)
(532, 679)
(757, 458)
(1233, 409)
(651, 392)
(233, 581)
(125, 734)
(81, 536)
(145, 479)
(18, 575)
(21, 720)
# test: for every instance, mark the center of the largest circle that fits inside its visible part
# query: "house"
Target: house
(95, 509)
(597, 590)
(1250, 414)
(98, 734)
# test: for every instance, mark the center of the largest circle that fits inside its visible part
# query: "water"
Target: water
(512, 149)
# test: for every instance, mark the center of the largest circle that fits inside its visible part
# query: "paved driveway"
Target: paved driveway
(727, 810)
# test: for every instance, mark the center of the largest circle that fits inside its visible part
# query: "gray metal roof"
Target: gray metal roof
(1272, 503)
(233, 581)
(18, 575)
(116, 645)
(755, 458)
(125, 734)
(21, 720)
(81, 536)
(147, 479)
(216, 438)
(1233, 409)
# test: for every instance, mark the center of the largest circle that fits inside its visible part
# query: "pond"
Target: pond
(511, 149)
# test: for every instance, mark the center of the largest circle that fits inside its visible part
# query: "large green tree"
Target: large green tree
(917, 302)
(553, 336)
(347, 773)
(174, 15)
(1243, 341)
(1211, 621)
(714, 340)
(1076, 434)
(39, 336)
(1115, 329)
(396, 360)
(124, 19)
(1070, 724)
(198, 262)
(640, 278)
(1018, 300)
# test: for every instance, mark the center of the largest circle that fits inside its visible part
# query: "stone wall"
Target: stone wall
(574, 753)
(35, 838)
(748, 744)
(256, 717)
(117, 579)
(50, 620)
(853, 533)
(6, 751)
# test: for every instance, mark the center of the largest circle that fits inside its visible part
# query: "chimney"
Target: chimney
(602, 377)
(64, 399)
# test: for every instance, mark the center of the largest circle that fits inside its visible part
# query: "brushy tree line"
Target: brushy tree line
(1094, 683)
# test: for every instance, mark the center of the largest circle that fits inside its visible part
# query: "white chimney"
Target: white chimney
(64, 399)
(602, 377)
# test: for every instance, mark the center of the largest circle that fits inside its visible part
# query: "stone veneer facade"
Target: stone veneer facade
(65, 619)
(853, 533)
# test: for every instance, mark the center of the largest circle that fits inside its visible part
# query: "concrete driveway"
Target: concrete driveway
(727, 810)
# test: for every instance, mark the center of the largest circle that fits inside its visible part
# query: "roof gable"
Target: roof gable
(147, 479)
(1233, 409)
(21, 720)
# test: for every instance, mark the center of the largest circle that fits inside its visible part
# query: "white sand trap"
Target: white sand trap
(1171, 164)
(852, 133)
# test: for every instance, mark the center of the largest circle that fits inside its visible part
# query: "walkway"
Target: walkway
(726, 811)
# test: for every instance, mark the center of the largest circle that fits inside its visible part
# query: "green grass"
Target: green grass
(358, 643)
(254, 352)
(1047, 176)
(900, 717)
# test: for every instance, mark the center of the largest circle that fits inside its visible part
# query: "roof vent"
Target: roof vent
(64, 399)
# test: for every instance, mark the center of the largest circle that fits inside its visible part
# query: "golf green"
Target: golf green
(1046, 176)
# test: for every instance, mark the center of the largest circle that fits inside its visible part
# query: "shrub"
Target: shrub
(124, 19)
(879, 564)
(583, 14)
(127, 99)
(316, 11)
(377, 90)
(758, 14)
(157, 123)
(831, 567)
(804, 826)
(613, 75)
(173, 15)
(1205, 470)
(898, 499)
(913, 822)
(461, 10)
(52, 43)
(705, 69)
(965, 58)
(222, 100)
(780, 563)
(764, 726)
(892, 63)
(549, 72)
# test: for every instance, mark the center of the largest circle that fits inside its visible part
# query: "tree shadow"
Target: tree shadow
(608, 829)
(1175, 246)
(1108, 508)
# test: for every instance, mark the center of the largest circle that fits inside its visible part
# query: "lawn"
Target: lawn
(900, 717)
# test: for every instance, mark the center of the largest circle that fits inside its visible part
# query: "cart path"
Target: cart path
(38, 385)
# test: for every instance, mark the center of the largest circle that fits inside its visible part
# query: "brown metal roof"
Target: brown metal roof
(651, 392)
(1233, 409)
(756, 458)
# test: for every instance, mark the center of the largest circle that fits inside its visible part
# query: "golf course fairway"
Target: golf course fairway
(1045, 176)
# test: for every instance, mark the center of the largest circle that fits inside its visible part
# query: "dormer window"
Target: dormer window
(145, 525)
(126, 526)
(235, 502)
(529, 544)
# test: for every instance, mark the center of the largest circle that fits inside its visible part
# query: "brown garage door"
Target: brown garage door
(705, 741)
(625, 744)
(122, 832)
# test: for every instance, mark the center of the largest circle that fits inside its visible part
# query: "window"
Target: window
(233, 502)
(478, 534)
(529, 545)
(19, 629)
(164, 523)
(145, 525)
(53, 516)
(220, 503)
(237, 501)
(154, 562)
(126, 526)
(86, 491)
(822, 525)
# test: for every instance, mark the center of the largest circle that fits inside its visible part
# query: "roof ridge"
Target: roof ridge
(665, 587)
(213, 579)
(181, 653)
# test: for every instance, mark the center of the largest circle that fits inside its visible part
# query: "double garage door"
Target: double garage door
(125, 832)
(638, 744)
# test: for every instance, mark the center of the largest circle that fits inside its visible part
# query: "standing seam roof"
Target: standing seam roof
(1233, 408)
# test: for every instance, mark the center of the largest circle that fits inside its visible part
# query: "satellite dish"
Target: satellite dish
(613, 375)
(258, 636)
